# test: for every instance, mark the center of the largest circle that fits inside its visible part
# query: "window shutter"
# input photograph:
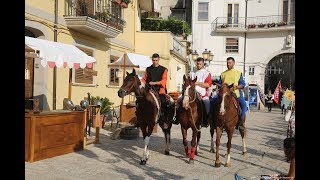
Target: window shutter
(79, 76)
(114, 80)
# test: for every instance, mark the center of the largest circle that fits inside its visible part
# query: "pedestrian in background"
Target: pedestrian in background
(269, 100)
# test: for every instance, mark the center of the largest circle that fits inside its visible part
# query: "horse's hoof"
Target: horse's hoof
(191, 161)
(188, 153)
(244, 153)
(212, 151)
(228, 165)
(143, 162)
(166, 152)
(217, 164)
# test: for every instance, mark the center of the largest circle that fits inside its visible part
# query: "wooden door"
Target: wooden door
(28, 82)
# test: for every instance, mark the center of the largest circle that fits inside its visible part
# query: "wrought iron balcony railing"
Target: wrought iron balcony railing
(105, 11)
(273, 21)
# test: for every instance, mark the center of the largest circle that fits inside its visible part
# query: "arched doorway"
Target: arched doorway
(281, 67)
(36, 75)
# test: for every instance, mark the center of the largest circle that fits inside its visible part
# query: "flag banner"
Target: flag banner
(276, 92)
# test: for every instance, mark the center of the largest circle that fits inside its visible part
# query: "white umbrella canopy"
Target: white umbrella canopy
(55, 54)
(59, 54)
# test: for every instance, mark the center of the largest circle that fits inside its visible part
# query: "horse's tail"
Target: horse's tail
(192, 121)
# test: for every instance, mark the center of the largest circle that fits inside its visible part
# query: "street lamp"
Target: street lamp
(205, 54)
(195, 55)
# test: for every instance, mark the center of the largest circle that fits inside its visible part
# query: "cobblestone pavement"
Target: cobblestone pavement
(119, 159)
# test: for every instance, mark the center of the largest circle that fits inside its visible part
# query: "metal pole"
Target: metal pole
(245, 40)
(123, 76)
(55, 68)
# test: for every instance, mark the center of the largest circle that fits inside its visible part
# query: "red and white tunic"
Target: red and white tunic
(204, 76)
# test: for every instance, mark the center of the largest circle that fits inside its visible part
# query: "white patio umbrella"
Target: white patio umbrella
(58, 54)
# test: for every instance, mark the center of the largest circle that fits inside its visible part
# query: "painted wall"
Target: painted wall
(40, 15)
(261, 46)
(149, 42)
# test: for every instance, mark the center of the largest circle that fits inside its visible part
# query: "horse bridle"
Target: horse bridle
(127, 92)
(195, 96)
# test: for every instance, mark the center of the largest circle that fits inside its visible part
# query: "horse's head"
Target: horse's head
(224, 96)
(188, 91)
(130, 84)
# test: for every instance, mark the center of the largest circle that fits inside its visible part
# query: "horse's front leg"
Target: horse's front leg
(168, 141)
(219, 133)
(243, 135)
(198, 142)
(193, 146)
(230, 133)
(146, 138)
(212, 140)
(184, 141)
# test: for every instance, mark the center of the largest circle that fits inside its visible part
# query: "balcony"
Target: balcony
(254, 24)
(96, 18)
(178, 48)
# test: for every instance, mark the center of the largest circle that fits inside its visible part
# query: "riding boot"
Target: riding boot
(240, 119)
(204, 122)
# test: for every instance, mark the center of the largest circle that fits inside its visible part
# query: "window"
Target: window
(232, 45)
(203, 11)
(233, 14)
(114, 79)
(288, 15)
(79, 76)
(251, 70)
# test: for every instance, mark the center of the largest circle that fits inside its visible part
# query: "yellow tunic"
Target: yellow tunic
(231, 76)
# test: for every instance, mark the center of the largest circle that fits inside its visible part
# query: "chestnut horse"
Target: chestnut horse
(190, 116)
(226, 117)
(147, 111)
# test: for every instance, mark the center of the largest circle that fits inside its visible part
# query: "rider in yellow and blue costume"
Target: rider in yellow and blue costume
(233, 76)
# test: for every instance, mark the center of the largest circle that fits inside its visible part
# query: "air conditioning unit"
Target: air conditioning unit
(289, 41)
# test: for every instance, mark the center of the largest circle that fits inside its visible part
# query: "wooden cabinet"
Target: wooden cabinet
(53, 133)
(128, 115)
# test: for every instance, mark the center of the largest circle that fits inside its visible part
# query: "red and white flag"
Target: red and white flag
(276, 92)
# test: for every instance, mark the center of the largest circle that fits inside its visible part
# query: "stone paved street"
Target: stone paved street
(119, 159)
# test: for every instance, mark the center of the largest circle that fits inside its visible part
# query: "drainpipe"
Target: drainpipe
(55, 35)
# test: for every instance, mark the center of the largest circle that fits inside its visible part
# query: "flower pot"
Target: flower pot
(124, 5)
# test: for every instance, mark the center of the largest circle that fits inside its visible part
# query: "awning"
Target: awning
(58, 54)
(133, 60)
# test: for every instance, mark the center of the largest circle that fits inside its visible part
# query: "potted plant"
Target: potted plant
(271, 25)
(261, 25)
(117, 1)
(251, 26)
(105, 106)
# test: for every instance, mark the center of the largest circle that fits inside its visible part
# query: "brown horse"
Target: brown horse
(226, 117)
(147, 111)
(190, 115)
